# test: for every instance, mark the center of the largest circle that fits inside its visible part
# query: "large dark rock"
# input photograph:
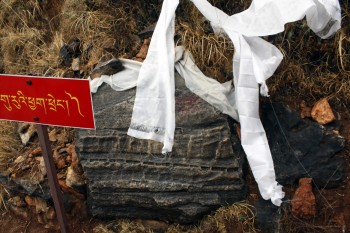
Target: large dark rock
(302, 147)
(268, 216)
(129, 177)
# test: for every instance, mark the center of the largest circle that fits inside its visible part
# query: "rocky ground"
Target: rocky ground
(68, 38)
(314, 207)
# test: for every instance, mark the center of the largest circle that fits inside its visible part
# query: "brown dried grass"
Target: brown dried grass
(323, 222)
(30, 43)
(238, 217)
(10, 143)
(32, 32)
(4, 195)
(314, 68)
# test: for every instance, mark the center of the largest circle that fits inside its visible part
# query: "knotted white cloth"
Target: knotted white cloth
(254, 61)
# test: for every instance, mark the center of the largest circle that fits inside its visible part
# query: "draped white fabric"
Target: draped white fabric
(154, 109)
(254, 61)
(219, 95)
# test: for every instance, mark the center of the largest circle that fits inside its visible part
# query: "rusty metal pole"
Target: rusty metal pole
(52, 177)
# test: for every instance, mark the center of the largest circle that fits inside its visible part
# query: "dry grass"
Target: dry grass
(32, 33)
(4, 194)
(314, 68)
(122, 226)
(293, 224)
(10, 143)
(238, 217)
(212, 53)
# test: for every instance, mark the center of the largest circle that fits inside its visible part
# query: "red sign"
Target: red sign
(49, 101)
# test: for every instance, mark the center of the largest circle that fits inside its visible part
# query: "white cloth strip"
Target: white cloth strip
(154, 109)
(219, 95)
(255, 60)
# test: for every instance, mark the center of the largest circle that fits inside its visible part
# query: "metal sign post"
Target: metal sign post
(52, 176)
(47, 101)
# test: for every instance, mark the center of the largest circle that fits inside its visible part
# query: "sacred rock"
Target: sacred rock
(130, 178)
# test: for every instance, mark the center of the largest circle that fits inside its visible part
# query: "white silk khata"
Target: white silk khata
(254, 61)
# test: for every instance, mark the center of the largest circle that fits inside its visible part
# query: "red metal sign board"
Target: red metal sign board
(49, 101)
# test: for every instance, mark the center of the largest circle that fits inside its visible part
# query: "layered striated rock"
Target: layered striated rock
(129, 177)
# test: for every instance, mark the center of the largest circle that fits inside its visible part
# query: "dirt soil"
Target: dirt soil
(332, 206)
(12, 223)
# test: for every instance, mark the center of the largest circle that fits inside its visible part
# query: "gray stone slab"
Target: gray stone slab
(129, 177)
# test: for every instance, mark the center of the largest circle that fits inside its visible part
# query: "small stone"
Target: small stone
(70, 51)
(29, 200)
(69, 159)
(22, 212)
(61, 163)
(76, 64)
(52, 136)
(336, 132)
(62, 150)
(26, 132)
(17, 201)
(51, 214)
(40, 205)
(62, 137)
(305, 111)
(65, 188)
(59, 160)
(61, 175)
(322, 112)
(25, 167)
(110, 67)
(144, 49)
(71, 151)
(304, 202)
(41, 219)
(74, 179)
(42, 167)
(36, 152)
(19, 159)
(70, 148)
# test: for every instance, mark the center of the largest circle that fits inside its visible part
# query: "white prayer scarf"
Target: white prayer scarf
(255, 60)
(153, 115)
(219, 95)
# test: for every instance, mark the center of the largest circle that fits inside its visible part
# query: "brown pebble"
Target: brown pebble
(36, 152)
(29, 200)
(51, 214)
